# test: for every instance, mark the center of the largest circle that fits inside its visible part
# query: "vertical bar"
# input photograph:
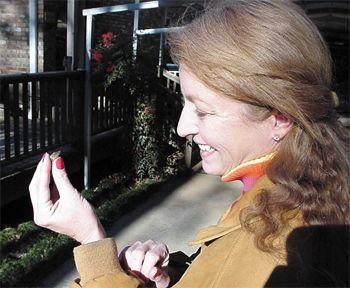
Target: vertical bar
(188, 151)
(79, 109)
(15, 112)
(161, 46)
(70, 115)
(98, 105)
(7, 108)
(87, 103)
(25, 116)
(108, 101)
(111, 115)
(102, 108)
(42, 113)
(115, 104)
(33, 35)
(71, 17)
(57, 120)
(63, 128)
(49, 98)
(134, 35)
(34, 115)
(95, 110)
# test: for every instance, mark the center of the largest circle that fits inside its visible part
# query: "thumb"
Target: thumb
(160, 277)
(64, 187)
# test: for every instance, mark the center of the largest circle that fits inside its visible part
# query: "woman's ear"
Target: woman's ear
(281, 127)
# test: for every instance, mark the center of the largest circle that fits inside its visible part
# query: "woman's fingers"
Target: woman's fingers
(64, 187)
(160, 277)
(156, 256)
(150, 259)
(135, 256)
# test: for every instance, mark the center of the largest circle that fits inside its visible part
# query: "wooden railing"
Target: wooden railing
(39, 111)
(110, 107)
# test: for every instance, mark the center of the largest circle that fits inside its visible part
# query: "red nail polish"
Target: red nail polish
(158, 273)
(59, 163)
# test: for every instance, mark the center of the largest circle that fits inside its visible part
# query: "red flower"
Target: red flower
(107, 39)
(96, 55)
(111, 68)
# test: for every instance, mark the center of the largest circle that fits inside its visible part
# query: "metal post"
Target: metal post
(33, 36)
(134, 35)
(161, 46)
(33, 50)
(87, 103)
(71, 19)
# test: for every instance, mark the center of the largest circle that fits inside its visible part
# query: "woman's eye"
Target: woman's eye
(200, 113)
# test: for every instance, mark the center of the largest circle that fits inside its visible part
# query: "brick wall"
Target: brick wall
(14, 36)
(52, 17)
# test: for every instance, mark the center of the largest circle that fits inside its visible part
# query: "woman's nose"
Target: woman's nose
(186, 125)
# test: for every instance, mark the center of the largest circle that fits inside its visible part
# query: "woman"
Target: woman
(256, 78)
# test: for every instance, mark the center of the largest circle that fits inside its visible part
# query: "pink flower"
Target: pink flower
(107, 39)
(96, 55)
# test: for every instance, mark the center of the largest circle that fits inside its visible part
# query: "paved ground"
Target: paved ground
(172, 216)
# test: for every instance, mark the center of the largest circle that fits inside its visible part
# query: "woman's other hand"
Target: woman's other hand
(149, 260)
(66, 213)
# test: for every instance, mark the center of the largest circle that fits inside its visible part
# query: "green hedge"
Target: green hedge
(29, 253)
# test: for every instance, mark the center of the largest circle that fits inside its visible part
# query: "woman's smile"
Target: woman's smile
(206, 151)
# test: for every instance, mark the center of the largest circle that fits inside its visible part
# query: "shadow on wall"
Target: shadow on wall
(317, 256)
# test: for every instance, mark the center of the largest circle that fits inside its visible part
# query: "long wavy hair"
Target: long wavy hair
(269, 55)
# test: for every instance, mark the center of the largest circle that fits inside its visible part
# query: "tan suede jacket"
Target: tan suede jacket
(228, 256)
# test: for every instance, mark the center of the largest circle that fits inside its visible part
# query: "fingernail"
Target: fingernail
(158, 273)
(59, 163)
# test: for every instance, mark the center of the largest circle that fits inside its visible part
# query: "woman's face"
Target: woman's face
(226, 138)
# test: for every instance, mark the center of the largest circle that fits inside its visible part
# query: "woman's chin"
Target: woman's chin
(211, 169)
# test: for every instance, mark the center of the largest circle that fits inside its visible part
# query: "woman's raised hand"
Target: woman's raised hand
(149, 260)
(67, 212)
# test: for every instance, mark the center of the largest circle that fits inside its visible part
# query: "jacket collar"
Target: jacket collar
(230, 221)
(249, 172)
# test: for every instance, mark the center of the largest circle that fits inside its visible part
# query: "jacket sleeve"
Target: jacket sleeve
(98, 266)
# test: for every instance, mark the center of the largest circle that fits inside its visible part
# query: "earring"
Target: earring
(276, 137)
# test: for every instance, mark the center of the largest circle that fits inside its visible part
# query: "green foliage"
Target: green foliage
(175, 164)
(10, 236)
(144, 133)
(19, 266)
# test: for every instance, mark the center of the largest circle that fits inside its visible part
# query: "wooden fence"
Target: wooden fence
(39, 111)
(111, 106)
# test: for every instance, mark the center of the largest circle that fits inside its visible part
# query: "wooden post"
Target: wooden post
(33, 101)
(25, 116)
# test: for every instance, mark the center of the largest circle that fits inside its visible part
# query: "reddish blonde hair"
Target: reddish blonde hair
(270, 55)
